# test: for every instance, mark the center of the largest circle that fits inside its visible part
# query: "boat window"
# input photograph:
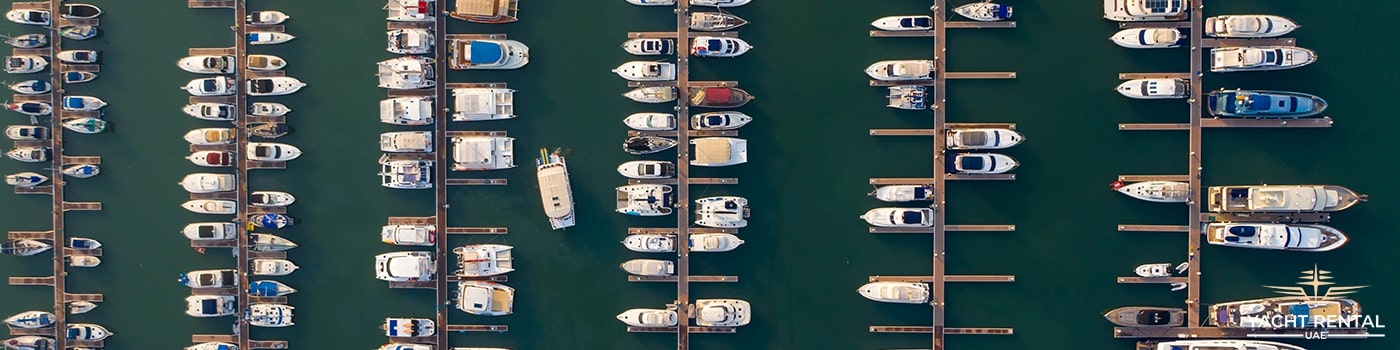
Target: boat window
(1271, 56)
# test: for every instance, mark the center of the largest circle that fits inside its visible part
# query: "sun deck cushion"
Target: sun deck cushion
(485, 52)
(972, 163)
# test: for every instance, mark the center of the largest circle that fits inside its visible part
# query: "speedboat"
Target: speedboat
(1146, 316)
(651, 121)
(719, 97)
(902, 23)
(274, 86)
(273, 267)
(24, 64)
(269, 288)
(419, 235)
(1248, 26)
(485, 298)
(271, 220)
(29, 154)
(27, 132)
(652, 2)
(1292, 237)
(215, 159)
(82, 171)
(649, 318)
(410, 11)
(79, 11)
(644, 200)
(270, 315)
(471, 153)
(268, 38)
(722, 212)
(213, 346)
(1264, 104)
(896, 292)
(646, 71)
(1281, 198)
(903, 193)
(903, 70)
(396, 327)
(649, 267)
(411, 111)
(650, 243)
(1155, 88)
(29, 342)
(265, 62)
(410, 41)
(210, 231)
(899, 217)
(910, 97)
(715, 21)
(266, 18)
(1155, 191)
(269, 130)
(209, 182)
(75, 77)
(31, 319)
(82, 32)
(983, 138)
(80, 243)
(714, 46)
(650, 47)
(211, 136)
(652, 94)
(724, 120)
(31, 108)
(86, 332)
(80, 307)
(25, 179)
(1138, 10)
(216, 86)
(267, 199)
(981, 163)
(484, 260)
(211, 305)
(407, 73)
(722, 312)
(647, 144)
(1256, 58)
(719, 151)
(486, 54)
(647, 169)
(211, 206)
(82, 103)
(406, 174)
(272, 152)
(85, 125)
(719, 3)
(1159, 270)
(414, 266)
(556, 194)
(473, 104)
(985, 11)
(1279, 313)
(210, 111)
(77, 56)
(1149, 38)
(714, 242)
(1215, 344)
(268, 109)
(32, 87)
(30, 17)
(27, 41)
(23, 247)
(210, 278)
(209, 64)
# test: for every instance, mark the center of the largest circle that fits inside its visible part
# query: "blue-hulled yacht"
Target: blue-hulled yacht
(1264, 104)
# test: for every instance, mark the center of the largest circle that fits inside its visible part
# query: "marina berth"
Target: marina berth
(714, 242)
(211, 136)
(77, 56)
(722, 312)
(981, 163)
(486, 11)
(715, 21)
(650, 47)
(713, 46)
(210, 231)
(80, 243)
(272, 152)
(1257, 58)
(409, 235)
(274, 86)
(410, 41)
(1149, 38)
(210, 111)
(1216, 344)
(1292, 237)
(486, 54)
(484, 260)
(270, 220)
(25, 64)
(216, 86)
(79, 11)
(723, 120)
(407, 73)
(406, 174)
(211, 305)
(26, 41)
(217, 159)
(268, 109)
(410, 111)
(25, 179)
(75, 77)
(85, 125)
(268, 130)
(31, 108)
(266, 18)
(406, 141)
(1155, 88)
(910, 97)
(265, 62)
(649, 318)
(1281, 198)
(80, 307)
(269, 38)
(273, 267)
(896, 292)
(472, 153)
(1144, 10)
(86, 332)
(651, 94)
(209, 182)
(640, 145)
(210, 278)
(1273, 313)
(650, 121)
(901, 70)
(1155, 191)
(31, 319)
(1248, 26)
(901, 23)
(1146, 316)
(211, 206)
(30, 17)
(1263, 104)
(397, 327)
(269, 315)
(485, 298)
(555, 192)
(212, 346)
(719, 97)
(903, 193)
(268, 199)
(899, 217)
(209, 64)
(473, 104)
(29, 154)
(722, 212)
(649, 267)
(719, 151)
(646, 71)
(29, 342)
(84, 261)
(985, 11)
(32, 87)
(269, 288)
(650, 243)
(983, 138)
(408, 266)
(644, 200)
(410, 10)
(23, 247)
(647, 169)
(83, 32)
(719, 3)
(82, 171)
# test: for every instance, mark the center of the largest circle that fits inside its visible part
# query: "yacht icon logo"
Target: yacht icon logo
(1317, 279)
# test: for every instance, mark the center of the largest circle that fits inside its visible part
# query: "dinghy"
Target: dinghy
(270, 199)
(262, 242)
(266, 18)
(82, 171)
(77, 56)
(82, 103)
(79, 307)
(27, 41)
(269, 288)
(986, 11)
(32, 87)
(25, 179)
(31, 319)
(211, 206)
(27, 132)
(271, 220)
(208, 64)
(652, 94)
(651, 121)
(83, 261)
(903, 193)
(82, 32)
(268, 109)
(715, 21)
(25, 64)
(30, 17)
(268, 38)
(273, 267)
(83, 243)
(29, 154)
(211, 136)
(650, 47)
(724, 120)
(649, 267)
(647, 169)
(85, 125)
(213, 159)
(265, 62)
(650, 243)
(647, 144)
(75, 77)
(79, 11)
(31, 108)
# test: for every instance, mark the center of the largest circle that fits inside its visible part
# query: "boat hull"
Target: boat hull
(1264, 104)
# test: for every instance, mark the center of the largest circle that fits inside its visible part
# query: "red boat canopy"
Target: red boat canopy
(717, 95)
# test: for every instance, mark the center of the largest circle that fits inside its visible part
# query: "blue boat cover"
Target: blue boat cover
(1260, 102)
(263, 288)
(922, 22)
(393, 328)
(67, 76)
(714, 120)
(267, 220)
(714, 44)
(920, 192)
(72, 102)
(1003, 12)
(913, 217)
(41, 85)
(1299, 310)
(30, 107)
(972, 163)
(486, 52)
(73, 333)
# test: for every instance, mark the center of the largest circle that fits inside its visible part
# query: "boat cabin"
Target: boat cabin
(483, 104)
(407, 174)
(483, 153)
(486, 11)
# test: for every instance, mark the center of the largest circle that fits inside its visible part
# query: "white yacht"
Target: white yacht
(652, 2)
(650, 243)
(23, 247)
(406, 174)
(1256, 58)
(1293, 237)
(901, 70)
(473, 104)
(981, 163)
(1144, 10)
(650, 121)
(644, 200)
(268, 199)
(273, 267)
(1277, 312)
(899, 217)
(32, 87)
(555, 193)
(722, 212)
(984, 11)
(407, 73)
(31, 108)
(484, 260)
(213, 159)
(1155, 88)
(210, 231)
(209, 64)
(411, 11)
(31, 319)
(399, 327)
(211, 206)
(212, 111)
(268, 109)
(649, 267)
(470, 153)
(274, 86)
(486, 54)
(722, 312)
(650, 47)
(485, 298)
(213, 346)
(896, 292)
(407, 111)
(25, 64)
(29, 16)
(216, 86)
(714, 242)
(719, 151)
(715, 21)
(1159, 270)
(649, 318)
(1156, 191)
(1149, 38)
(86, 332)
(723, 120)
(211, 305)
(271, 152)
(410, 41)
(652, 94)
(1248, 26)
(983, 138)
(209, 182)
(405, 346)
(1215, 344)
(269, 38)
(82, 171)
(265, 62)
(414, 235)
(719, 3)
(903, 193)
(210, 278)
(406, 141)
(646, 71)
(211, 136)
(647, 169)
(714, 46)
(1281, 198)
(902, 23)
(409, 266)
(25, 179)
(29, 154)
(270, 315)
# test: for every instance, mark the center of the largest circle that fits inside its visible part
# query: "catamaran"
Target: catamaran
(555, 193)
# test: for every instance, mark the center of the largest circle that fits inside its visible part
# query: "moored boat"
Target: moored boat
(910, 97)
(31, 108)
(269, 130)
(1248, 26)
(79, 32)
(82, 171)
(985, 11)
(649, 267)
(1155, 191)
(899, 217)
(269, 38)
(399, 327)
(722, 212)
(405, 266)
(1281, 198)
(217, 159)
(268, 109)
(485, 298)
(32, 87)
(715, 21)
(479, 153)
(273, 267)
(647, 144)
(722, 120)
(406, 174)
(719, 97)
(409, 41)
(211, 136)
(1263, 104)
(29, 342)
(199, 279)
(1136, 10)
(406, 111)
(644, 200)
(79, 307)
(213, 346)
(901, 70)
(714, 242)
(981, 163)
(210, 231)
(1291, 237)
(212, 111)
(473, 104)
(652, 94)
(903, 23)
(896, 292)
(1155, 88)
(265, 17)
(211, 206)
(208, 64)
(714, 46)
(648, 318)
(27, 132)
(23, 247)
(25, 64)
(216, 86)
(29, 16)
(410, 10)
(409, 235)
(270, 199)
(722, 312)
(486, 54)
(80, 243)
(1146, 316)
(646, 71)
(647, 169)
(271, 152)
(1215, 344)
(719, 3)
(1149, 38)
(209, 182)
(76, 77)
(407, 73)
(555, 192)
(25, 179)
(650, 243)
(484, 260)
(1290, 312)
(269, 315)
(79, 11)
(211, 305)
(27, 41)
(269, 288)
(719, 151)
(982, 138)
(29, 154)
(271, 220)
(274, 86)
(31, 319)
(265, 62)
(77, 56)
(650, 47)
(903, 193)
(1258, 58)
(651, 121)
(85, 125)
(262, 242)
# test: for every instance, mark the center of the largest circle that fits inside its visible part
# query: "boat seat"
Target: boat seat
(1243, 231)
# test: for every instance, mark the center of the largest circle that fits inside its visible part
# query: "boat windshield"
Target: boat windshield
(260, 86)
(38, 16)
(211, 85)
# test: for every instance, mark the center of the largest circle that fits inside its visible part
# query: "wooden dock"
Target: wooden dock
(688, 278)
(928, 330)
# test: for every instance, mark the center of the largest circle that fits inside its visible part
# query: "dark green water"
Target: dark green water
(810, 158)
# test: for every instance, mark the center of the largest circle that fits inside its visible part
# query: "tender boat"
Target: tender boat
(31, 319)
(270, 199)
(473, 104)
(649, 267)
(896, 292)
(31, 108)
(899, 217)
(274, 86)
(269, 288)
(902, 70)
(30, 17)
(209, 182)
(82, 32)
(27, 41)
(86, 332)
(719, 97)
(649, 318)
(25, 179)
(407, 73)
(902, 23)
(1150, 38)
(269, 315)
(216, 86)
(472, 153)
(1292, 237)
(211, 136)
(650, 243)
(82, 171)
(266, 18)
(1281, 198)
(79, 11)
(211, 305)
(412, 266)
(23, 247)
(25, 64)
(212, 346)
(1216, 344)
(644, 200)
(29, 154)
(486, 54)
(272, 152)
(646, 71)
(903, 193)
(651, 121)
(85, 125)
(269, 130)
(652, 94)
(556, 194)
(483, 260)
(1155, 191)
(652, 2)
(983, 138)
(27, 132)
(268, 109)
(1257, 58)
(1276, 313)
(1248, 26)
(1264, 104)
(647, 169)
(410, 41)
(76, 77)
(714, 46)
(714, 242)
(715, 21)
(647, 144)
(273, 267)
(80, 307)
(719, 151)
(265, 62)
(396, 327)
(981, 163)
(29, 342)
(412, 111)
(411, 11)
(1155, 88)
(485, 298)
(77, 56)
(406, 174)
(268, 38)
(32, 87)
(210, 111)
(650, 47)
(722, 212)
(211, 206)
(80, 243)
(210, 231)
(910, 97)
(409, 235)
(719, 3)
(1138, 10)
(1146, 316)
(217, 159)
(210, 278)
(724, 120)
(985, 11)
(209, 64)
(722, 312)
(271, 220)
